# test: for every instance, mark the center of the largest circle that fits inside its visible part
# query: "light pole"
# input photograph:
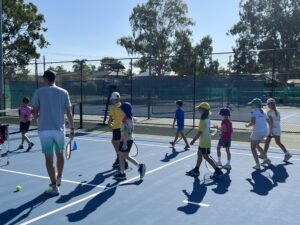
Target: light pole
(1, 63)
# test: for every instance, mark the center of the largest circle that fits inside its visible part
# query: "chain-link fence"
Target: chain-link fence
(153, 87)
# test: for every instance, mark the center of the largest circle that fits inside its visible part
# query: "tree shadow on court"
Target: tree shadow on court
(195, 197)
(86, 187)
(261, 182)
(174, 154)
(94, 203)
(223, 183)
(23, 211)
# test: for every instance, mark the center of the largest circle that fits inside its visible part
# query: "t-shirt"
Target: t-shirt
(227, 126)
(127, 129)
(276, 119)
(260, 121)
(117, 114)
(180, 118)
(51, 102)
(25, 113)
(204, 128)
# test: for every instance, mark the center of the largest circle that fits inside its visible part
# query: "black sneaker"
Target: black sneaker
(20, 147)
(30, 145)
(116, 164)
(142, 170)
(126, 165)
(218, 172)
(193, 172)
(120, 176)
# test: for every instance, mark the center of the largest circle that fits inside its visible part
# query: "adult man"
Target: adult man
(49, 105)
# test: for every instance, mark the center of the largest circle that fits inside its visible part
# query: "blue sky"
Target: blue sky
(89, 29)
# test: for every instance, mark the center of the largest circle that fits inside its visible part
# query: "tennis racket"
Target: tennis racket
(68, 149)
(134, 151)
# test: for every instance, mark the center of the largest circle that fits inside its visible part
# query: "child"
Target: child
(126, 143)
(25, 116)
(205, 142)
(179, 117)
(225, 137)
(275, 131)
(115, 118)
(258, 122)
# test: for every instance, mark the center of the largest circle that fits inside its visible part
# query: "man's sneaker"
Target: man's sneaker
(20, 147)
(218, 172)
(193, 172)
(287, 157)
(172, 143)
(187, 147)
(52, 190)
(30, 145)
(116, 163)
(142, 170)
(58, 180)
(120, 176)
(219, 164)
(256, 167)
(227, 166)
(266, 161)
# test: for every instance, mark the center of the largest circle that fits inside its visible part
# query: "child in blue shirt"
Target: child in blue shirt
(179, 117)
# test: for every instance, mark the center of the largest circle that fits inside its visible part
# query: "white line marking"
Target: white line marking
(44, 177)
(99, 192)
(196, 203)
(289, 116)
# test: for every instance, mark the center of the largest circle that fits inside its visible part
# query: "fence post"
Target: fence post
(131, 89)
(36, 74)
(194, 90)
(273, 74)
(81, 96)
(149, 88)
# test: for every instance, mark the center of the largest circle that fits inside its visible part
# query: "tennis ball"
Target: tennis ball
(18, 188)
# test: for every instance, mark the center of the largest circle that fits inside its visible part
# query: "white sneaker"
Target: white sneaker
(52, 190)
(227, 166)
(266, 161)
(256, 167)
(219, 164)
(287, 157)
(58, 180)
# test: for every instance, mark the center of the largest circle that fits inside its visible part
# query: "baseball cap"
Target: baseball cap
(271, 100)
(203, 105)
(255, 101)
(115, 95)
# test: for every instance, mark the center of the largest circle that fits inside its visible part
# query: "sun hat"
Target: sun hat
(203, 105)
(255, 101)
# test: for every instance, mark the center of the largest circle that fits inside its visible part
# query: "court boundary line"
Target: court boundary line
(99, 192)
(197, 203)
(45, 177)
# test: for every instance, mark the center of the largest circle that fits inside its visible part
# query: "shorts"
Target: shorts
(275, 132)
(204, 150)
(52, 140)
(257, 136)
(129, 145)
(24, 126)
(116, 134)
(224, 143)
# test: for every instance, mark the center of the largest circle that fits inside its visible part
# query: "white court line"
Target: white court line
(289, 116)
(196, 203)
(99, 192)
(44, 177)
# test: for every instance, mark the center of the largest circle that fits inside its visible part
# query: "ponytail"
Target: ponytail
(275, 110)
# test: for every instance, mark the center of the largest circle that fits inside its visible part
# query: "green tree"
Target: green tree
(267, 24)
(154, 25)
(23, 32)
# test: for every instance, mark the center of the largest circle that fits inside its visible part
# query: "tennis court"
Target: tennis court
(90, 195)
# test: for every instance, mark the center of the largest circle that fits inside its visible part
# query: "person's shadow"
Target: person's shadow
(86, 187)
(280, 173)
(195, 197)
(174, 154)
(94, 203)
(223, 183)
(24, 210)
(260, 183)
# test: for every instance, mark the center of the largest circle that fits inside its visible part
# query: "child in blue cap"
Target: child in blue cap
(126, 143)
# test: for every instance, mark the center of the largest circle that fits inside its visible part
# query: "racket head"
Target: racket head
(134, 151)
(68, 149)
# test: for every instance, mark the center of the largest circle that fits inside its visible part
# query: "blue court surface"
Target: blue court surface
(90, 195)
